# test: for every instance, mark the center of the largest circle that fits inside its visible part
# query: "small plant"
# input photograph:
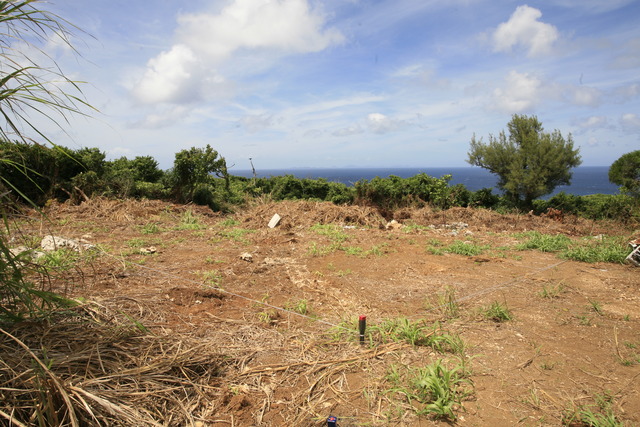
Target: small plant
(547, 366)
(229, 222)
(596, 306)
(437, 389)
(584, 320)
(318, 250)
(60, 259)
(332, 231)
(211, 277)
(445, 303)
(599, 415)
(497, 312)
(150, 228)
(466, 248)
(608, 249)
(236, 234)
(189, 221)
(268, 317)
(300, 306)
(343, 273)
(543, 242)
(552, 291)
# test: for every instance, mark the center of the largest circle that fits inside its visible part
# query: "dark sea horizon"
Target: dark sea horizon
(586, 179)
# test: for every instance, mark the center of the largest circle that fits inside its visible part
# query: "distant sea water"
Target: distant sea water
(586, 179)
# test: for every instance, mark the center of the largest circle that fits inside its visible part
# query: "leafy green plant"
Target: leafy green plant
(466, 248)
(596, 306)
(437, 389)
(60, 259)
(211, 277)
(445, 303)
(332, 231)
(607, 249)
(552, 291)
(150, 228)
(600, 414)
(497, 312)
(189, 221)
(301, 306)
(543, 242)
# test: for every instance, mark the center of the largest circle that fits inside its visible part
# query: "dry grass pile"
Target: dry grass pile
(299, 213)
(95, 366)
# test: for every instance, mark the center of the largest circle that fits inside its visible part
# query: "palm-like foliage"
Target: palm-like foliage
(32, 85)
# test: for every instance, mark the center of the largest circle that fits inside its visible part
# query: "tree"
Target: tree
(625, 172)
(193, 168)
(529, 162)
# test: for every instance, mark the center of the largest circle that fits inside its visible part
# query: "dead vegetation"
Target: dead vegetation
(158, 345)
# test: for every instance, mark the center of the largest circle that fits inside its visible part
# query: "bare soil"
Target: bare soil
(555, 355)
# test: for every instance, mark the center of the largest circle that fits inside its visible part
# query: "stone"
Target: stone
(275, 220)
(246, 257)
(52, 243)
(148, 250)
(393, 225)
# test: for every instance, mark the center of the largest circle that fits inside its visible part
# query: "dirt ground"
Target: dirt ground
(233, 281)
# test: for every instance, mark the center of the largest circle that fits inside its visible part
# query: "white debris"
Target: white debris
(274, 221)
(393, 225)
(246, 257)
(51, 243)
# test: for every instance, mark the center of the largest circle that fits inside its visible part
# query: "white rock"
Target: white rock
(274, 221)
(246, 257)
(52, 243)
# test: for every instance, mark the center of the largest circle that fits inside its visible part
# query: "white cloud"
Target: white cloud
(593, 122)
(286, 25)
(584, 96)
(524, 29)
(520, 93)
(191, 70)
(166, 117)
(170, 77)
(630, 122)
(381, 124)
(257, 122)
(348, 131)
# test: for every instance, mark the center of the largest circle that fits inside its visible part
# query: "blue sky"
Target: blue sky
(340, 83)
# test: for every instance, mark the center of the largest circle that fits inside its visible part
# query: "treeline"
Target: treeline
(36, 173)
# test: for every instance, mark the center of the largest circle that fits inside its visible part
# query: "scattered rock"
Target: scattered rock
(52, 243)
(246, 257)
(393, 225)
(275, 220)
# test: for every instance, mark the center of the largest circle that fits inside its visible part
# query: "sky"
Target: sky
(348, 83)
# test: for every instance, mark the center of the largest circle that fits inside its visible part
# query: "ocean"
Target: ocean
(586, 179)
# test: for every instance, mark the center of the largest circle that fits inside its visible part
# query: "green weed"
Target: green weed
(607, 249)
(497, 312)
(552, 291)
(596, 306)
(211, 277)
(300, 307)
(189, 221)
(466, 248)
(543, 242)
(600, 414)
(150, 228)
(434, 390)
(445, 303)
(332, 231)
